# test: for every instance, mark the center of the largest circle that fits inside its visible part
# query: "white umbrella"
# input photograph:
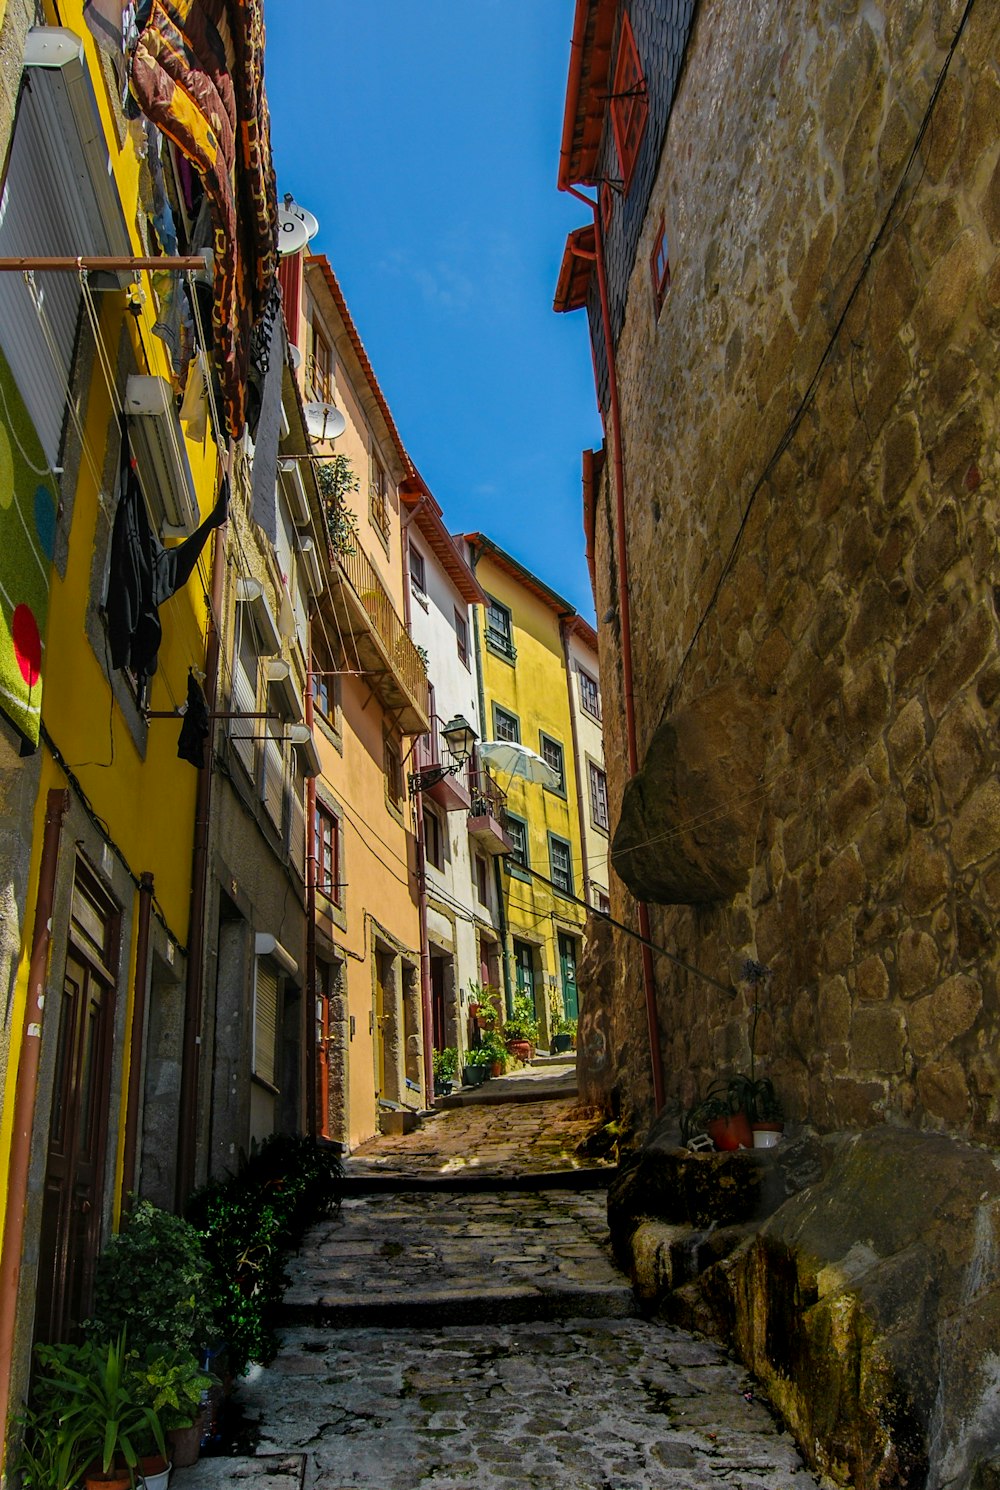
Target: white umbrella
(517, 760)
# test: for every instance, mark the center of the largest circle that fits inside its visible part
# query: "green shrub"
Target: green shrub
(154, 1280)
(249, 1223)
(445, 1062)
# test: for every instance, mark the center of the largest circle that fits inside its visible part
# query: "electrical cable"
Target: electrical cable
(810, 392)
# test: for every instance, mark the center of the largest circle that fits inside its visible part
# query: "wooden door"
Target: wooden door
(77, 1149)
(567, 964)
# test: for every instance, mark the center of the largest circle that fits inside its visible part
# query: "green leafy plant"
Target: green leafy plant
(497, 1050)
(154, 1281)
(445, 1063)
(336, 479)
(565, 1027)
(522, 1024)
(94, 1392)
(488, 999)
(172, 1383)
(248, 1224)
(479, 1057)
(44, 1454)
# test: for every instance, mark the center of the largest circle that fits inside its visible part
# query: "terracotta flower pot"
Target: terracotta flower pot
(522, 1049)
(731, 1132)
(117, 1478)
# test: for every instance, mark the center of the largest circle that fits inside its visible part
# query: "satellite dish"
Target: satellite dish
(297, 226)
(292, 233)
(295, 356)
(324, 421)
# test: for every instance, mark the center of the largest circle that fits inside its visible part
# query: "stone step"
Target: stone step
(459, 1305)
(475, 1182)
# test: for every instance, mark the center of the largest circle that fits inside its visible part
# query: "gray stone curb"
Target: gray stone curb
(453, 1306)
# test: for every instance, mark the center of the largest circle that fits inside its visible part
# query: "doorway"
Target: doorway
(75, 1162)
(567, 968)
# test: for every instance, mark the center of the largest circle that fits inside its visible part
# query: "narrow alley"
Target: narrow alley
(460, 1321)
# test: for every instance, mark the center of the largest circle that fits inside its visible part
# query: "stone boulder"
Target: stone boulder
(689, 820)
(868, 1305)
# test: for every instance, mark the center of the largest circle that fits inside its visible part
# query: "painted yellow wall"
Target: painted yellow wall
(146, 802)
(534, 689)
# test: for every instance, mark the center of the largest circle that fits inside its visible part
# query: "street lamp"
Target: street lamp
(460, 738)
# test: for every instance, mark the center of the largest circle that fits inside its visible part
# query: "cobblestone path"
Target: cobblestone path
(451, 1337)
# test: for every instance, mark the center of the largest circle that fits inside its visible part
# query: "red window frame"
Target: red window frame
(462, 637)
(327, 850)
(659, 266)
(629, 102)
(607, 202)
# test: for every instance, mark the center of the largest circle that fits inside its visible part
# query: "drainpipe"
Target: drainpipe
(25, 1092)
(317, 1112)
(187, 1118)
(426, 997)
(577, 763)
(648, 977)
(136, 1037)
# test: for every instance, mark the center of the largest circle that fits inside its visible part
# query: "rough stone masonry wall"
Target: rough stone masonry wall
(828, 416)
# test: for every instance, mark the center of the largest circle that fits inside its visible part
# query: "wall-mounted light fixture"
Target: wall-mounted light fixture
(460, 738)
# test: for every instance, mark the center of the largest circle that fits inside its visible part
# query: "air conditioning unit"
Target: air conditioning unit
(160, 452)
(295, 491)
(312, 566)
(63, 99)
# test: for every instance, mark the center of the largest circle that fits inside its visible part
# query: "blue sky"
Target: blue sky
(425, 138)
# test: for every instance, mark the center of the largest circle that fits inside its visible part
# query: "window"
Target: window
(265, 1022)
(598, 797)
(243, 698)
(590, 695)
(319, 368)
(499, 630)
(560, 864)
(462, 637)
(517, 832)
(482, 880)
(327, 851)
(659, 267)
(603, 903)
(629, 102)
(506, 726)
(393, 767)
(418, 571)
(433, 838)
(378, 498)
(552, 755)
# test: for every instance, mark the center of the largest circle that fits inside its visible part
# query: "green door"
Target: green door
(523, 970)
(567, 963)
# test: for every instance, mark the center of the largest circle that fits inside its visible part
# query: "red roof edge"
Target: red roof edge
(583, 629)
(333, 285)
(516, 570)
(576, 268)
(426, 514)
(586, 90)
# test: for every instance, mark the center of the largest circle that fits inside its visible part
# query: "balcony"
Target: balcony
(451, 793)
(488, 813)
(386, 654)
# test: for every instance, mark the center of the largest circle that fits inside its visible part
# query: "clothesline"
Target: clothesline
(94, 262)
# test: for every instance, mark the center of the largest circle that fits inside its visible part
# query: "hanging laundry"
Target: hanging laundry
(267, 434)
(194, 408)
(197, 72)
(144, 574)
(197, 725)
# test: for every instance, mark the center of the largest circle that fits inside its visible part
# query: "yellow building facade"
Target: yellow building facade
(98, 477)
(526, 700)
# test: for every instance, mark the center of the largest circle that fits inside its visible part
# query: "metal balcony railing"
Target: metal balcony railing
(403, 656)
(488, 799)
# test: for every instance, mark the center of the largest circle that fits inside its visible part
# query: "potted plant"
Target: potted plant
(520, 1029)
(564, 1036)
(445, 1066)
(174, 1385)
(477, 1066)
(45, 1455)
(767, 1118)
(175, 1306)
(497, 1050)
(97, 1393)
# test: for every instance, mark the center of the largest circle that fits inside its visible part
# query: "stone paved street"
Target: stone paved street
(461, 1335)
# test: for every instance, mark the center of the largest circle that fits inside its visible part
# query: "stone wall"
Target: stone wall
(811, 466)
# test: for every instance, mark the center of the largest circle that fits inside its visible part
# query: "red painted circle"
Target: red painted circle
(27, 644)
